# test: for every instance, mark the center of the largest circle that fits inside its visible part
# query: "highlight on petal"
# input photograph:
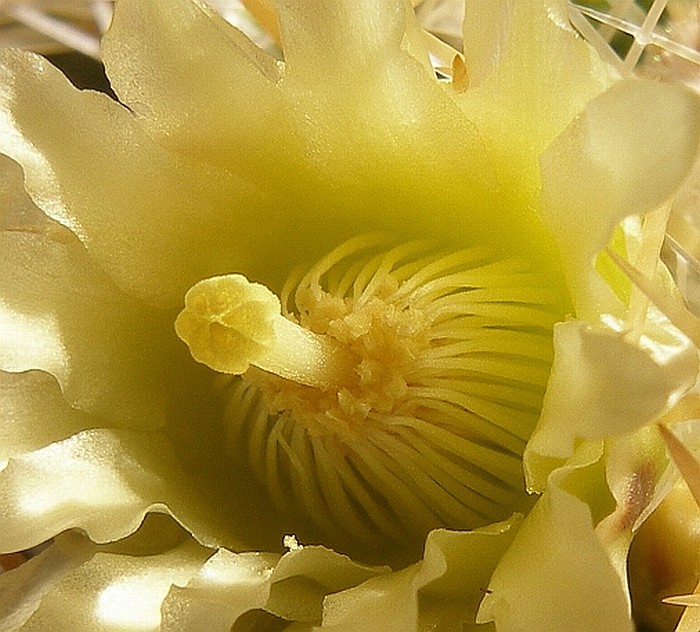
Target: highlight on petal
(100, 175)
(435, 593)
(63, 315)
(603, 385)
(103, 482)
(225, 588)
(196, 105)
(557, 576)
(607, 165)
(521, 55)
(23, 590)
(27, 400)
(85, 588)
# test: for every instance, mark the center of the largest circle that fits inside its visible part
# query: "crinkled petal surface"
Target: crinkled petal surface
(61, 314)
(607, 165)
(103, 482)
(227, 586)
(100, 175)
(27, 401)
(603, 385)
(557, 576)
(441, 592)
(88, 589)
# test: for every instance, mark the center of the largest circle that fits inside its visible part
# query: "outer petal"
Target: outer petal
(557, 576)
(103, 482)
(215, 102)
(22, 590)
(523, 57)
(440, 592)
(228, 586)
(234, 588)
(608, 164)
(414, 164)
(107, 592)
(62, 315)
(603, 385)
(33, 413)
(306, 575)
(101, 176)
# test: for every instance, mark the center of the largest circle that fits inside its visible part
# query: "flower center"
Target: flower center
(394, 394)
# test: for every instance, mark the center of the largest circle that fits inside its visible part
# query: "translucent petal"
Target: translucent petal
(440, 592)
(111, 591)
(607, 165)
(100, 175)
(22, 590)
(557, 576)
(306, 575)
(62, 315)
(18, 212)
(27, 402)
(196, 105)
(602, 385)
(227, 586)
(521, 56)
(101, 481)
(348, 36)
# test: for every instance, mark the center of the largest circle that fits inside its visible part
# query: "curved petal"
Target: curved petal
(103, 482)
(603, 385)
(105, 591)
(196, 105)
(100, 175)
(62, 315)
(34, 414)
(607, 165)
(523, 57)
(557, 576)
(23, 589)
(442, 591)
(17, 211)
(228, 586)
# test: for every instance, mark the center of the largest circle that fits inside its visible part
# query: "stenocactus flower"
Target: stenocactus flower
(397, 292)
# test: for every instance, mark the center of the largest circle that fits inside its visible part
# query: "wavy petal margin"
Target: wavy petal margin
(557, 576)
(608, 165)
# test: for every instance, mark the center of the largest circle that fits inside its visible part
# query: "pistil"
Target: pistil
(230, 324)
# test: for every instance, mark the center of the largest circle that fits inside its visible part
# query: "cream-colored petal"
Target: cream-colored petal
(22, 590)
(213, 100)
(344, 36)
(306, 575)
(557, 576)
(103, 482)
(99, 174)
(112, 592)
(18, 211)
(228, 586)
(61, 314)
(604, 385)
(530, 76)
(440, 592)
(34, 414)
(609, 164)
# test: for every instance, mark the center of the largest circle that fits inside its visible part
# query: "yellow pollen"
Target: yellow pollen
(439, 365)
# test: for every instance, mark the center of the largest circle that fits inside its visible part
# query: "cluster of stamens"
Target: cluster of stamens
(418, 414)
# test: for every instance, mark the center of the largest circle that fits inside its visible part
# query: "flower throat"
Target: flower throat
(393, 394)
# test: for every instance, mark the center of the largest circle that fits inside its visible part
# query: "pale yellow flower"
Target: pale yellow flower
(493, 324)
